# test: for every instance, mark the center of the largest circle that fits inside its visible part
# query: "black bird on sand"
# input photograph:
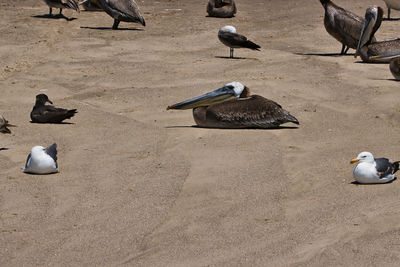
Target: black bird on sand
(42, 113)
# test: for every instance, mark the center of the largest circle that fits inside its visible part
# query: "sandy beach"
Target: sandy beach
(140, 186)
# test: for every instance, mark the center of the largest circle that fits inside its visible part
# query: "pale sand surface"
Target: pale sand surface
(139, 186)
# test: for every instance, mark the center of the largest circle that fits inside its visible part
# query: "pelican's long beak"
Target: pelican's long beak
(366, 31)
(385, 57)
(354, 160)
(48, 100)
(217, 96)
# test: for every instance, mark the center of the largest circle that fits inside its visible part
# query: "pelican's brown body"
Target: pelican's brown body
(221, 8)
(343, 25)
(252, 112)
(228, 108)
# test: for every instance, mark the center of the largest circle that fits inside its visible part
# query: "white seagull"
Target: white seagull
(373, 171)
(42, 160)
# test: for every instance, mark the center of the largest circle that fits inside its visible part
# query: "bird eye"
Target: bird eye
(231, 86)
(364, 156)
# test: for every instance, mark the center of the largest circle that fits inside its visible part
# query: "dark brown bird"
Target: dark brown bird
(376, 52)
(342, 25)
(4, 124)
(122, 10)
(232, 106)
(71, 4)
(221, 8)
(228, 36)
(42, 113)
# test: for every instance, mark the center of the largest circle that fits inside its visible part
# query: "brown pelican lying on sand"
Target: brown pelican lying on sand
(91, 5)
(42, 113)
(72, 4)
(395, 4)
(382, 51)
(221, 8)
(228, 36)
(232, 106)
(4, 124)
(343, 25)
(122, 10)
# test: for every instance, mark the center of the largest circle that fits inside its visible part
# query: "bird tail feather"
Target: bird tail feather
(251, 45)
(395, 166)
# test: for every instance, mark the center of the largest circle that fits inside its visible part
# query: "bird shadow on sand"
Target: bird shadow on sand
(63, 122)
(232, 129)
(391, 19)
(111, 29)
(48, 16)
(362, 62)
(3, 148)
(357, 183)
(324, 54)
(236, 57)
(393, 80)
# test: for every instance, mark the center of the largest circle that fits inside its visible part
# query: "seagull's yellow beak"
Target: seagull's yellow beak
(354, 160)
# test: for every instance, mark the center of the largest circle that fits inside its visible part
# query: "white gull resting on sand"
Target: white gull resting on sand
(42, 160)
(373, 171)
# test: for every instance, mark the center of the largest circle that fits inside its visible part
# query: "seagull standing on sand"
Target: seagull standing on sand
(4, 124)
(42, 160)
(42, 113)
(373, 171)
(71, 4)
(228, 36)
(122, 10)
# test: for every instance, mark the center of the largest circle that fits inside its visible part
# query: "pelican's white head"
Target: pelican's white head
(364, 157)
(228, 28)
(237, 88)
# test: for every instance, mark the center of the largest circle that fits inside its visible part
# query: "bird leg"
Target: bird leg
(115, 25)
(388, 12)
(343, 48)
(50, 11)
(347, 49)
(60, 12)
(231, 52)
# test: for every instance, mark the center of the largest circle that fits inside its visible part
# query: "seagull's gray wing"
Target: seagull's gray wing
(52, 152)
(383, 167)
(27, 160)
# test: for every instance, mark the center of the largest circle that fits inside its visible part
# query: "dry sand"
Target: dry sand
(139, 186)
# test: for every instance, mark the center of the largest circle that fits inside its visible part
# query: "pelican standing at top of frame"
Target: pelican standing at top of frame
(342, 25)
(374, 171)
(42, 160)
(229, 37)
(122, 10)
(71, 4)
(392, 4)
